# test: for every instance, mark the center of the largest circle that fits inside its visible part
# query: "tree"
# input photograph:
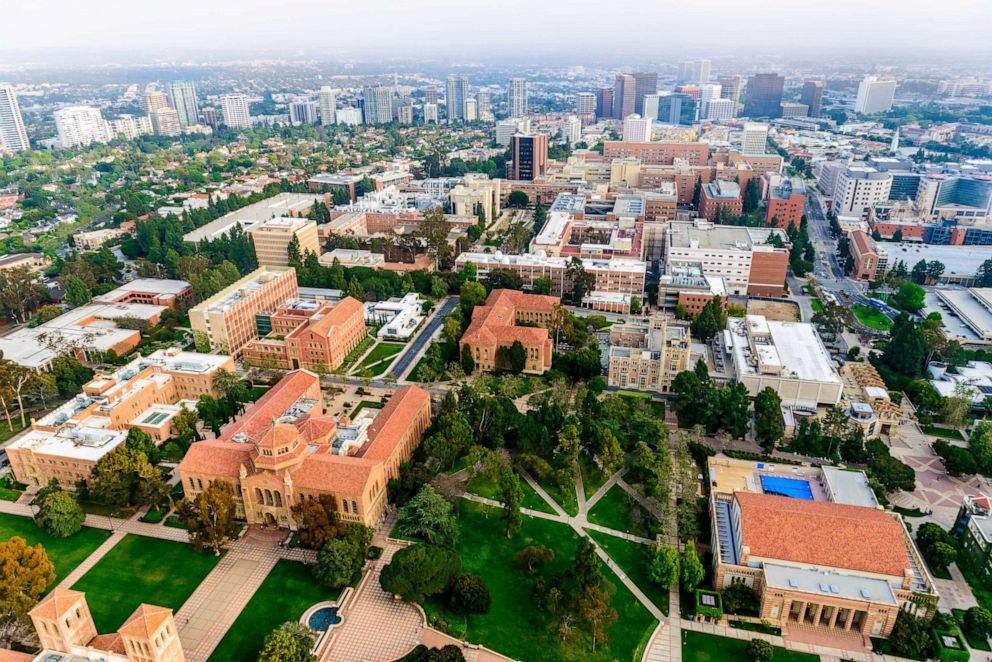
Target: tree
(709, 320)
(434, 230)
(693, 572)
(419, 571)
(468, 363)
(139, 440)
(906, 350)
(980, 445)
(759, 650)
(470, 295)
(59, 514)
(517, 199)
(942, 555)
(469, 595)
(209, 517)
(504, 279)
(534, 556)
(430, 517)
(337, 562)
(542, 285)
(596, 610)
(76, 292)
(664, 569)
(978, 622)
(317, 521)
(125, 477)
(516, 357)
(511, 493)
(231, 389)
(909, 297)
(983, 277)
(910, 636)
(582, 281)
(919, 272)
(768, 423)
(25, 573)
(290, 642)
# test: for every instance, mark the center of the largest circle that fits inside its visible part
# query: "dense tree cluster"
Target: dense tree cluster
(699, 401)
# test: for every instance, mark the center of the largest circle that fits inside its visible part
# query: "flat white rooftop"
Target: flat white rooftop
(539, 259)
(792, 345)
(283, 204)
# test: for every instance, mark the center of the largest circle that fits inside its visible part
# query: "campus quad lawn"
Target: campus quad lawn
(287, 592)
(64, 553)
(635, 560)
(142, 570)
(593, 477)
(700, 647)
(380, 352)
(514, 626)
(481, 486)
(613, 510)
(872, 317)
(564, 499)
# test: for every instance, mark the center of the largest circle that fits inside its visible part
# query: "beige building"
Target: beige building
(29, 261)
(647, 354)
(866, 400)
(226, 321)
(272, 239)
(66, 632)
(476, 190)
(92, 241)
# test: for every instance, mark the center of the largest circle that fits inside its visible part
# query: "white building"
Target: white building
(328, 100)
(874, 95)
(637, 129)
(235, 110)
(13, 137)
(455, 95)
(585, 106)
(349, 116)
(571, 130)
(399, 317)
(378, 100)
(129, 127)
(859, 188)
(707, 93)
(182, 97)
(79, 126)
(719, 109)
(652, 105)
(430, 113)
(517, 97)
(165, 122)
(755, 138)
(302, 112)
(471, 110)
(506, 129)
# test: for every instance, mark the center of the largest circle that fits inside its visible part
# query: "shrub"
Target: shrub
(469, 595)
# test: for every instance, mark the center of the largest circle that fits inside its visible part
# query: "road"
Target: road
(413, 350)
(828, 270)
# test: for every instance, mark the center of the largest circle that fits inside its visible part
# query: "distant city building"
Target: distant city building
(792, 109)
(210, 117)
(652, 105)
(812, 96)
(874, 95)
(153, 100)
(430, 113)
(755, 138)
(505, 129)
(694, 71)
(730, 88)
(404, 113)
(720, 109)
(182, 98)
(456, 94)
(571, 130)
(637, 129)
(471, 110)
(349, 116)
(530, 156)
(13, 137)
(302, 112)
(763, 97)
(629, 91)
(234, 108)
(516, 100)
(430, 95)
(859, 188)
(678, 108)
(377, 104)
(604, 102)
(707, 92)
(585, 107)
(78, 126)
(165, 122)
(273, 237)
(484, 104)
(328, 100)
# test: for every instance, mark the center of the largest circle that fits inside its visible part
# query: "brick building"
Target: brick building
(660, 153)
(786, 201)
(494, 327)
(720, 199)
(863, 254)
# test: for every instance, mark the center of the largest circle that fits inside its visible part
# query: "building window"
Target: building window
(258, 496)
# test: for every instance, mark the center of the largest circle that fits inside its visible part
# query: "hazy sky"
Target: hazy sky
(365, 29)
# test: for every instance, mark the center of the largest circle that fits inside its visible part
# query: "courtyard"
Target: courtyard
(64, 553)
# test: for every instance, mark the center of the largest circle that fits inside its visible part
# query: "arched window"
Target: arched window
(258, 496)
(354, 507)
(279, 499)
(192, 485)
(268, 497)
(344, 502)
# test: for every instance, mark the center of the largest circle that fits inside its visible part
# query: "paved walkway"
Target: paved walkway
(91, 560)
(108, 523)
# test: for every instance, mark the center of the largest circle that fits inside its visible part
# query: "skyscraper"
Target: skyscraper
(327, 98)
(730, 88)
(517, 97)
(585, 106)
(637, 129)
(764, 95)
(79, 126)
(13, 137)
(471, 110)
(430, 95)
(234, 108)
(165, 122)
(378, 104)
(455, 96)
(629, 91)
(811, 96)
(302, 112)
(874, 95)
(707, 92)
(754, 138)
(182, 98)
(678, 108)
(604, 102)
(693, 71)
(651, 106)
(484, 103)
(430, 113)
(530, 156)
(571, 130)
(153, 100)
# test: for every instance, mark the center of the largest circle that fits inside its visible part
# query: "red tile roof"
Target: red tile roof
(145, 621)
(56, 603)
(822, 533)
(339, 315)
(390, 424)
(216, 457)
(272, 405)
(495, 321)
(112, 643)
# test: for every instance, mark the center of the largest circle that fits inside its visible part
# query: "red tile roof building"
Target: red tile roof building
(494, 326)
(285, 450)
(863, 254)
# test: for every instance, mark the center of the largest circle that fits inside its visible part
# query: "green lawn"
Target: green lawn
(381, 352)
(816, 305)
(286, 593)
(700, 647)
(7, 494)
(513, 625)
(635, 560)
(142, 570)
(592, 476)
(8, 430)
(564, 499)
(613, 510)
(365, 404)
(871, 317)
(481, 486)
(64, 553)
(946, 433)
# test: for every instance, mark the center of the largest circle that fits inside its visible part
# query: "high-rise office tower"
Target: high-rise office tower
(328, 100)
(719, 109)
(455, 96)
(430, 113)
(604, 102)
(637, 129)
(651, 106)
(153, 100)
(530, 156)
(707, 92)
(585, 106)
(404, 113)
(678, 108)
(165, 122)
(693, 71)
(571, 130)
(471, 110)
(516, 99)
(302, 112)
(13, 137)
(811, 96)
(875, 95)
(629, 91)
(377, 104)
(754, 138)
(182, 98)
(484, 103)
(764, 95)
(430, 95)
(730, 88)
(234, 108)
(80, 126)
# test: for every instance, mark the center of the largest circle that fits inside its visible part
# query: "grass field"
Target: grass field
(365, 404)
(635, 561)
(286, 593)
(483, 487)
(592, 476)
(142, 570)
(946, 433)
(816, 305)
(565, 499)
(64, 553)
(379, 353)
(872, 317)
(613, 510)
(514, 626)
(700, 647)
